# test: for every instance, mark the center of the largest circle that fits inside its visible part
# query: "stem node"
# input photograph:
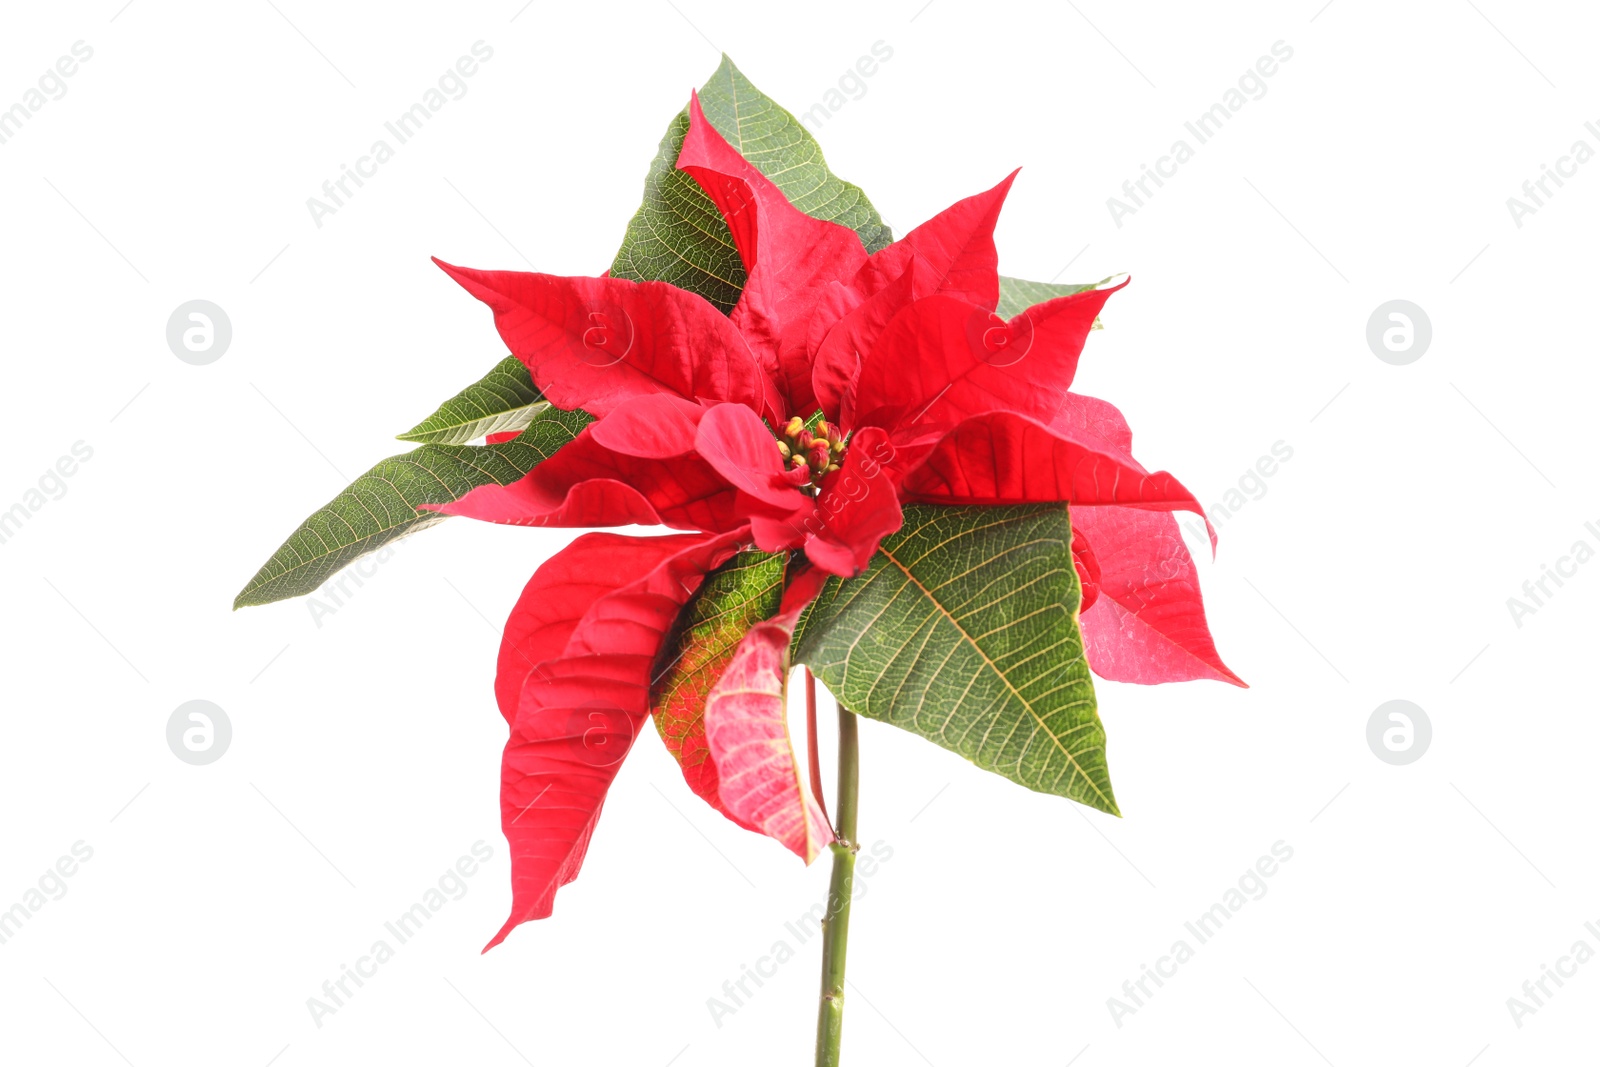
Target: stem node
(836, 925)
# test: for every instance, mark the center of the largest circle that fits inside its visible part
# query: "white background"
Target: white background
(364, 761)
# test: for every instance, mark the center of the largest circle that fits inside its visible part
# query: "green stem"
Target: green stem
(836, 925)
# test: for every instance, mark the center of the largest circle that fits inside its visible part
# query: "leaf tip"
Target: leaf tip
(460, 274)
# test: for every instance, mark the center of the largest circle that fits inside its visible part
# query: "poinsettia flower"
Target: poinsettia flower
(842, 386)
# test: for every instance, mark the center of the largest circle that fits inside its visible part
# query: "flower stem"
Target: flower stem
(836, 925)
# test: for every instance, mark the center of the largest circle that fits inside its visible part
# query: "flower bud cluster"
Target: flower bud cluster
(815, 450)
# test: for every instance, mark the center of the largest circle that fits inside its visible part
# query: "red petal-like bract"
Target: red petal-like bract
(1148, 624)
(592, 343)
(741, 449)
(798, 345)
(788, 255)
(951, 253)
(1088, 568)
(587, 483)
(1086, 418)
(943, 359)
(747, 730)
(541, 623)
(651, 427)
(1001, 458)
(678, 691)
(578, 713)
(838, 357)
(956, 250)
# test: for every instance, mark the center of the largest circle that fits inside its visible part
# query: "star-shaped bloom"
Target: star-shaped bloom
(842, 386)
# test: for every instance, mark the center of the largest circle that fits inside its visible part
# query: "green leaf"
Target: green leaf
(964, 630)
(742, 592)
(1018, 295)
(503, 400)
(678, 236)
(380, 507)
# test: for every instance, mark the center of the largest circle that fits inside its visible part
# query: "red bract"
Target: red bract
(606, 602)
(748, 734)
(841, 386)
